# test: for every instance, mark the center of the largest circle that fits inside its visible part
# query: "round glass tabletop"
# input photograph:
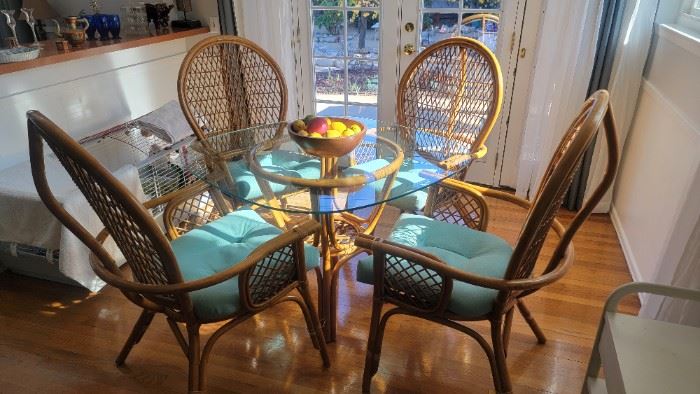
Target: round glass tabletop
(277, 174)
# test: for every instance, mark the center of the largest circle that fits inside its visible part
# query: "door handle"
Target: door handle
(409, 49)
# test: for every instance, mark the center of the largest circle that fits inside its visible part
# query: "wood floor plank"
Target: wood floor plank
(57, 338)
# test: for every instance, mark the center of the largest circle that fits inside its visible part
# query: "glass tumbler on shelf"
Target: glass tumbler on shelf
(134, 19)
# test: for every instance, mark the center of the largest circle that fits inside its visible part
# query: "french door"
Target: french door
(355, 51)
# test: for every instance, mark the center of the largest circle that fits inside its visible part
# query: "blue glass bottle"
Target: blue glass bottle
(92, 29)
(102, 26)
(115, 26)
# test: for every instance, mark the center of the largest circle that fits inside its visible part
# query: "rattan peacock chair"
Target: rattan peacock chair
(250, 264)
(451, 96)
(229, 83)
(443, 269)
(483, 19)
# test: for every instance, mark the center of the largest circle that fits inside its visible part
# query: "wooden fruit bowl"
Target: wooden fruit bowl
(330, 147)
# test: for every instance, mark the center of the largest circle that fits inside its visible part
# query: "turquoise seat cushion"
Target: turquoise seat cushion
(279, 161)
(407, 180)
(217, 246)
(460, 247)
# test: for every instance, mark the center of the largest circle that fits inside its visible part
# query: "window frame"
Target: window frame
(689, 16)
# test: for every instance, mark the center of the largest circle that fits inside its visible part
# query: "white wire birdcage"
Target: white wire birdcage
(164, 166)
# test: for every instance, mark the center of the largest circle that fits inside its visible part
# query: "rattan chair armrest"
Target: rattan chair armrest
(456, 161)
(298, 232)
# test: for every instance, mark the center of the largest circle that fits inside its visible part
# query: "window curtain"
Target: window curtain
(608, 33)
(563, 67)
(227, 17)
(271, 24)
(631, 53)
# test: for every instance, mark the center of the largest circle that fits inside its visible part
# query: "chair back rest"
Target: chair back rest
(134, 230)
(229, 83)
(451, 94)
(556, 181)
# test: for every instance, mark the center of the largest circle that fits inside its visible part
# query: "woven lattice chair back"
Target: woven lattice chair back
(556, 181)
(190, 213)
(137, 235)
(229, 83)
(451, 94)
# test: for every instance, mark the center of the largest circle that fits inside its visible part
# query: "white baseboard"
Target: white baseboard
(627, 251)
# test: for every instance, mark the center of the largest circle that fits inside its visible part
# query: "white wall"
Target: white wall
(89, 95)
(656, 204)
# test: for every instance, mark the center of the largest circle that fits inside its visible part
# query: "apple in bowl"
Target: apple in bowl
(327, 136)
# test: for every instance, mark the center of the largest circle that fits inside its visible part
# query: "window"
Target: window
(695, 9)
(476, 19)
(345, 48)
(690, 15)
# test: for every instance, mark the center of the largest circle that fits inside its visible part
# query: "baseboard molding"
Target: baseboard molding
(632, 264)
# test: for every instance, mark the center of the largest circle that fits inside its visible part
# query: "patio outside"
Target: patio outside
(346, 47)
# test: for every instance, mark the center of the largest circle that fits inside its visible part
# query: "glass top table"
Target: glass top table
(386, 165)
(346, 195)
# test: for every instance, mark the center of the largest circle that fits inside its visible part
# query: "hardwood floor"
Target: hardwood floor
(57, 338)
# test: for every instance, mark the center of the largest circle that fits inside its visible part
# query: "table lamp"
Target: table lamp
(185, 6)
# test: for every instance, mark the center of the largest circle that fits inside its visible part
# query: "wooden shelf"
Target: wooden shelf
(50, 55)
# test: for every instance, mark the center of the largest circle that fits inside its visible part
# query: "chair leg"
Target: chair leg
(506, 330)
(371, 357)
(136, 334)
(314, 324)
(541, 339)
(193, 383)
(333, 307)
(309, 321)
(499, 353)
(319, 286)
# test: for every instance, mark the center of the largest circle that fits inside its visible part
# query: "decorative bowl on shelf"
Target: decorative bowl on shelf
(327, 136)
(18, 54)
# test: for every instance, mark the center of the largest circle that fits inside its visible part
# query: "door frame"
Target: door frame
(509, 43)
(303, 83)
(393, 15)
(514, 123)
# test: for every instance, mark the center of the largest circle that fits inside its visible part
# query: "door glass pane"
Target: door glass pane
(345, 48)
(363, 3)
(363, 111)
(477, 19)
(363, 34)
(330, 79)
(483, 4)
(328, 32)
(482, 27)
(438, 26)
(330, 109)
(440, 3)
(363, 81)
(327, 3)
